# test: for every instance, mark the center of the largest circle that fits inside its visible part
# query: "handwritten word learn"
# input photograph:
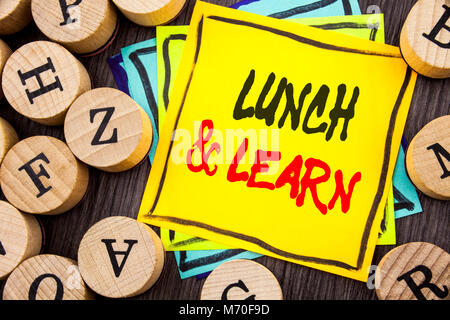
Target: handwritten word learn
(289, 176)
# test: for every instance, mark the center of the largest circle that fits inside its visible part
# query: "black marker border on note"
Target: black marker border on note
(384, 170)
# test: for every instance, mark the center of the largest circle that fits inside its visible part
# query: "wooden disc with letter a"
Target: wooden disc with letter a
(241, 280)
(81, 26)
(42, 79)
(8, 138)
(46, 277)
(40, 175)
(20, 238)
(414, 271)
(425, 38)
(14, 15)
(150, 13)
(428, 159)
(5, 53)
(108, 130)
(120, 257)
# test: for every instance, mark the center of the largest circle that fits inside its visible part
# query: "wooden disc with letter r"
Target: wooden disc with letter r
(42, 79)
(108, 130)
(428, 159)
(82, 26)
(241, 280)
(425, 38)
(150, 13)
(120, 257)
(414, 271)
(20, 238)
(40, 175)
(46, 277)
(14, 15)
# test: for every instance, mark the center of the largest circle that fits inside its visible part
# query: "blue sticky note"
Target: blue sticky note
(119, 73)
(195, 262)
(289, 9)
(140, 65)
(406, 199)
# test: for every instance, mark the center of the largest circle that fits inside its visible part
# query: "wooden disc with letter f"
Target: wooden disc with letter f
(120, 257)
(108, 130)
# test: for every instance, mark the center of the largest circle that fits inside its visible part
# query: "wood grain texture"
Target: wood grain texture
(120, 194)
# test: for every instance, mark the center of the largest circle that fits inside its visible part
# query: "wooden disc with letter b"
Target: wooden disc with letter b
(425, 38)
(14, 15)
(42, 79)
(414, 271)
(46, 277)
(108, 130)
(150, 13)
(241, 280)
(428, 159)
(20, 238)
(82, 26)
(120, 257)
(40, 175)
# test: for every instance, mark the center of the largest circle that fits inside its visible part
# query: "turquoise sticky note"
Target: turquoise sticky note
(406, 199)
(195, 262)
(288, 9)
(140, 65)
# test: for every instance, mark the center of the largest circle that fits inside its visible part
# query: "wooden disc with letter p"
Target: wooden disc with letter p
(108, 130)
(120, 257)
(241, 280)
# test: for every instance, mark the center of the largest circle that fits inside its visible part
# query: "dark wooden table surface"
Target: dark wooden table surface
(120, 194)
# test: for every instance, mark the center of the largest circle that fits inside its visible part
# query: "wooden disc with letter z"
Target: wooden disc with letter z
(20, 238)
(8, 138)
(425, 38)
(82, 26)
(120, 257)
(416, 270)
(42, 79)
(5, 53)
(14, 15)
(428, 159)
(40, 175)
(108, 130)
(150, 13)
(46, 277)
(241, 280)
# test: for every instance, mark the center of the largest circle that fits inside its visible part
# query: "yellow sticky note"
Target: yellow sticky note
(387, 235)
(280, 139)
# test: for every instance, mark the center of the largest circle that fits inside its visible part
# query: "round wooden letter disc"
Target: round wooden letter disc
(40, 175)
(120, 257)
(416, 270)
(8, 138)
(425, 38)
(428, 159)
(41, 80)
(46, 277)
(14, 15)
(108, 130)
(241, 280)
(81, 26)
(150, 13)
(5, 53)
(20, 238)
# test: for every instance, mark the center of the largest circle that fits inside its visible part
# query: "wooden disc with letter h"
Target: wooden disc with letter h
(40, 175)
(241, 280)
(108, 130)
(416, 270)
(82, 26)
(14, 15)
(425, 38)
(46, 277)
(5, 53)
(42, 79)
(120, 257)
(20, 238)
(428, 159)
(8, 138)
(150, 13)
